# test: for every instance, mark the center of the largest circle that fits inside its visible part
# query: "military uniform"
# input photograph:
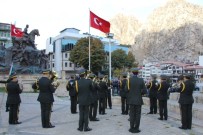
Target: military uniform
(186, 100)
(162, 95)
(46, 99)
(5, 82)
(94, 100)
(123, 94)
(102, 95)
(153, 96)
(13, 100)
(108, 95)
(83, 88)
(72, 94)
(136, 88)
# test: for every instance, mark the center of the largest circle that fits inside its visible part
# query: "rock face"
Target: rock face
(172, 32)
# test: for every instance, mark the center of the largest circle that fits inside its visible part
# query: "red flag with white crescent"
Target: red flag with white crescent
(15, 32)
(99, 23)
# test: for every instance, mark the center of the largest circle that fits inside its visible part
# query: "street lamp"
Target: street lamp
(110, 36)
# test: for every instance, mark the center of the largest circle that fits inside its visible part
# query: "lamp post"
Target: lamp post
(110, 36)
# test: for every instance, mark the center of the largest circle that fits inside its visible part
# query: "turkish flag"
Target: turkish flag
(99, 23)
(15, 32)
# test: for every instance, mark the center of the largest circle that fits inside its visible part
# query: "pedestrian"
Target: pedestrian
(102, 95)
(94, 99)
(123, 94)
(152, 94)
(5, 82)
(108, 94)
(46, 98)
(72, 94)
(13, 100)
(83, 87)
(136, 88)
(162, 95)
(186, 100)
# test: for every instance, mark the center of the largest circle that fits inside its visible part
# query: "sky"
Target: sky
(52, 16)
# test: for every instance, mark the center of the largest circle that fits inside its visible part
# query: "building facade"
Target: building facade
(59, 48)
(5, 35)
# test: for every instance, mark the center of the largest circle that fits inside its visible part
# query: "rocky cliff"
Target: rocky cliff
(172, 32)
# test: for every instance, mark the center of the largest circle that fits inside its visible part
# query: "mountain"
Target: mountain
(172, 32)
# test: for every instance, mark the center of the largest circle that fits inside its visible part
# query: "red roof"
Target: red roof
(193, 67)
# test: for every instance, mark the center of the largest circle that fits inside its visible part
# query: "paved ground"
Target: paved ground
(66, 123)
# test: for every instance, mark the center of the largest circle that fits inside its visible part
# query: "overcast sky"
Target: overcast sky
(52, 16)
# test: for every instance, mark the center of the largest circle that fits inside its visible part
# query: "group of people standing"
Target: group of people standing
(88, 90)
(160, 91)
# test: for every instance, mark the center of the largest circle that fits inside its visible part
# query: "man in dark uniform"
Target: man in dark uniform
(162, 95)
(72, 94)
(5, 82)
(136, 88)
(46, 98)
(94, 98)
(123, 94)
(108, 95)
(83, 87)
(102, 95)
(153, 95)
(186, 100)
(14, 90)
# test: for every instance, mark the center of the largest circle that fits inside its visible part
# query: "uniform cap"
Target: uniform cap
(91, 75)
(101, 76)
(124, 74)
(82, 71)
(163, 77)
(12, 76)
(46, 71)
(135, 70)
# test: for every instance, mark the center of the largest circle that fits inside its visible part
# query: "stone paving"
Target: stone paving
(66, 123)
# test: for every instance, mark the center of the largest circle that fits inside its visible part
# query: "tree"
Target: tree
(130, 62)
(118, 59)
(80, 54)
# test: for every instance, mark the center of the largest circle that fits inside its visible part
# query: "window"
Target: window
(66, 64)
(52, 64)
(70, 64)
(66, 55)
(53, 56)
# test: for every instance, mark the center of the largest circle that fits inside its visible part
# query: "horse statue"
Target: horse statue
(26, 40)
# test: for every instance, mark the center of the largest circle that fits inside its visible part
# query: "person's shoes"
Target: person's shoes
(160, 118)
(74, 112)
(182, 128)
(155, 113)
(103, 113)
(123, 113)
(110, 107)
(80, 129)
(17, 122)
(131, 130)
(136, 131)
(96, 119)
(87, 129)
(165, 118)
(126, 113)
(7, 110)
(150, 113)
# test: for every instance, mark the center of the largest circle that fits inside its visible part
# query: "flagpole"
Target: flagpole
(89, 44)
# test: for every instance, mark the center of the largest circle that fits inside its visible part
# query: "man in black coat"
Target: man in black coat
(186, 100)
(136, 88)
(162, 95)
(83, 87)
(5, 82)
(123, 94)
(13, 99)
(153, 95)
(94, 99)
(102, 95)
(46, 98)
(108, 94)
(72, 94)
